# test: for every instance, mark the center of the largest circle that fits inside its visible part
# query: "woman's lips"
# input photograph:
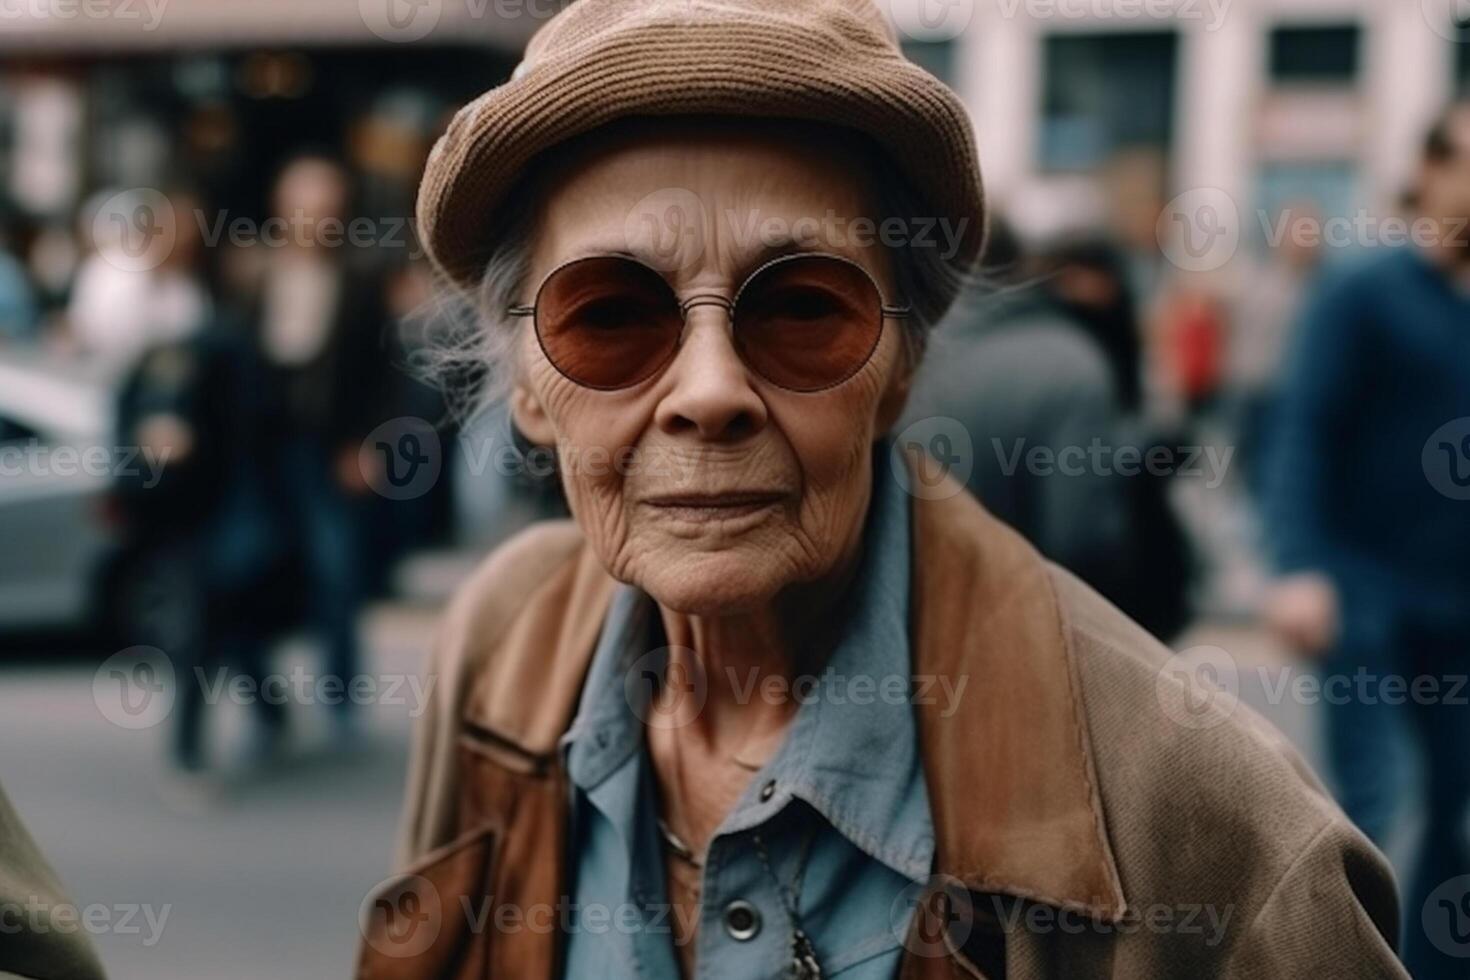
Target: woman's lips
(715, 506)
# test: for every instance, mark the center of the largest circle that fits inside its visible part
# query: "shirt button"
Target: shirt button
(768, 791)
(742, 921)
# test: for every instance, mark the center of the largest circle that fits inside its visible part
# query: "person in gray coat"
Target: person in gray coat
(1041, 367)
(1036, 394)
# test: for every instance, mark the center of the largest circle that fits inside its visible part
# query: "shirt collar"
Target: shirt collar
(852, 750)
(604, 732)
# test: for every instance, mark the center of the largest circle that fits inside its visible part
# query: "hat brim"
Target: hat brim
(735, 69)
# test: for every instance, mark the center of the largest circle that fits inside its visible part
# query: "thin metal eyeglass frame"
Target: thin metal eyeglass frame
(886, 311)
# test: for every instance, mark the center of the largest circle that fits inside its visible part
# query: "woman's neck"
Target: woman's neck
(727, 701)
(740, 668)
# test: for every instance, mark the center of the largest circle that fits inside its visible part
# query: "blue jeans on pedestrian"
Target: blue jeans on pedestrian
(1379, 726)
(230, 555)
(322, 523)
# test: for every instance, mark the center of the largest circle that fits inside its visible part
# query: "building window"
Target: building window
(1104, 94)
(1322, 190)
(935, 57)
(1462, 63)
(1317, 55)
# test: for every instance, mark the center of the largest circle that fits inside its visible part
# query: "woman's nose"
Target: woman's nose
(710, 391)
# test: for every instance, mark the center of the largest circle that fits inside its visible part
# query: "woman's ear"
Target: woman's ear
(530, 417)
(895, 396)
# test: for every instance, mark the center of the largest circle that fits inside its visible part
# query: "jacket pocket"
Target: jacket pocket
(426, 923)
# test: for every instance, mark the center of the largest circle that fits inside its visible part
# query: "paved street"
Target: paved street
(266, 883)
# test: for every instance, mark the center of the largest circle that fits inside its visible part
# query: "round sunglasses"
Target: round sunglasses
(804, 322)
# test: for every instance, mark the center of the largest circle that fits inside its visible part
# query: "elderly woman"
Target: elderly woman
(781, 700)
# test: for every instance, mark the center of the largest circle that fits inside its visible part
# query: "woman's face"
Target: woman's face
(708, 487)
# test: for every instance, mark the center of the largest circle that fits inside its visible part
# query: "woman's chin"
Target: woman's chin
(709, 584)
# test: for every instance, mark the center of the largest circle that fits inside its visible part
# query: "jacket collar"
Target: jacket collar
(1012, 781)
(1011, 778)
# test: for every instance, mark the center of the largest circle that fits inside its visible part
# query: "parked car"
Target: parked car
(57, 546)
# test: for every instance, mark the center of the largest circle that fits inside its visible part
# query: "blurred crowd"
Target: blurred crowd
(247, 331)
(257, 389)
(1341, 391)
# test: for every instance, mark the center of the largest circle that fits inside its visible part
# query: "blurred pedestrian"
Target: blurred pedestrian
(199, 536)
(19, 315)
(1054, 359)
(1371, 533)
(1260, 328)
(1191, 332)
(319, 321)
(1086, 277)
(121, 304)
(1019, 370)
(1150, 578)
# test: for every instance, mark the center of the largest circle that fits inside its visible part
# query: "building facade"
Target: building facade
(1101, 110)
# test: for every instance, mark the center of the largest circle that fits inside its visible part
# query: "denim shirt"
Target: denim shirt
(845, 789)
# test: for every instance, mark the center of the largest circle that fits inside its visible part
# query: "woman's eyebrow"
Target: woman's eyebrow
(777, 248)
(770, 248)
(601, 252)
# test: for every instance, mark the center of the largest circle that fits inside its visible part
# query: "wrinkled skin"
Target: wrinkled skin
(706, 424)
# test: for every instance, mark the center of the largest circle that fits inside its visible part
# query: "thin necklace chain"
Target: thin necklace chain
(676, 844)
(804, 964)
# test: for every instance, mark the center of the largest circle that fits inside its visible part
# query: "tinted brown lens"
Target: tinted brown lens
(607, 322)
(808, 322)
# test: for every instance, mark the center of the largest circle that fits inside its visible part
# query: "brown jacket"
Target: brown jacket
(1093, 833)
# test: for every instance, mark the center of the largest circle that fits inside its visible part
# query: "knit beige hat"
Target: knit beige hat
(831, 61)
